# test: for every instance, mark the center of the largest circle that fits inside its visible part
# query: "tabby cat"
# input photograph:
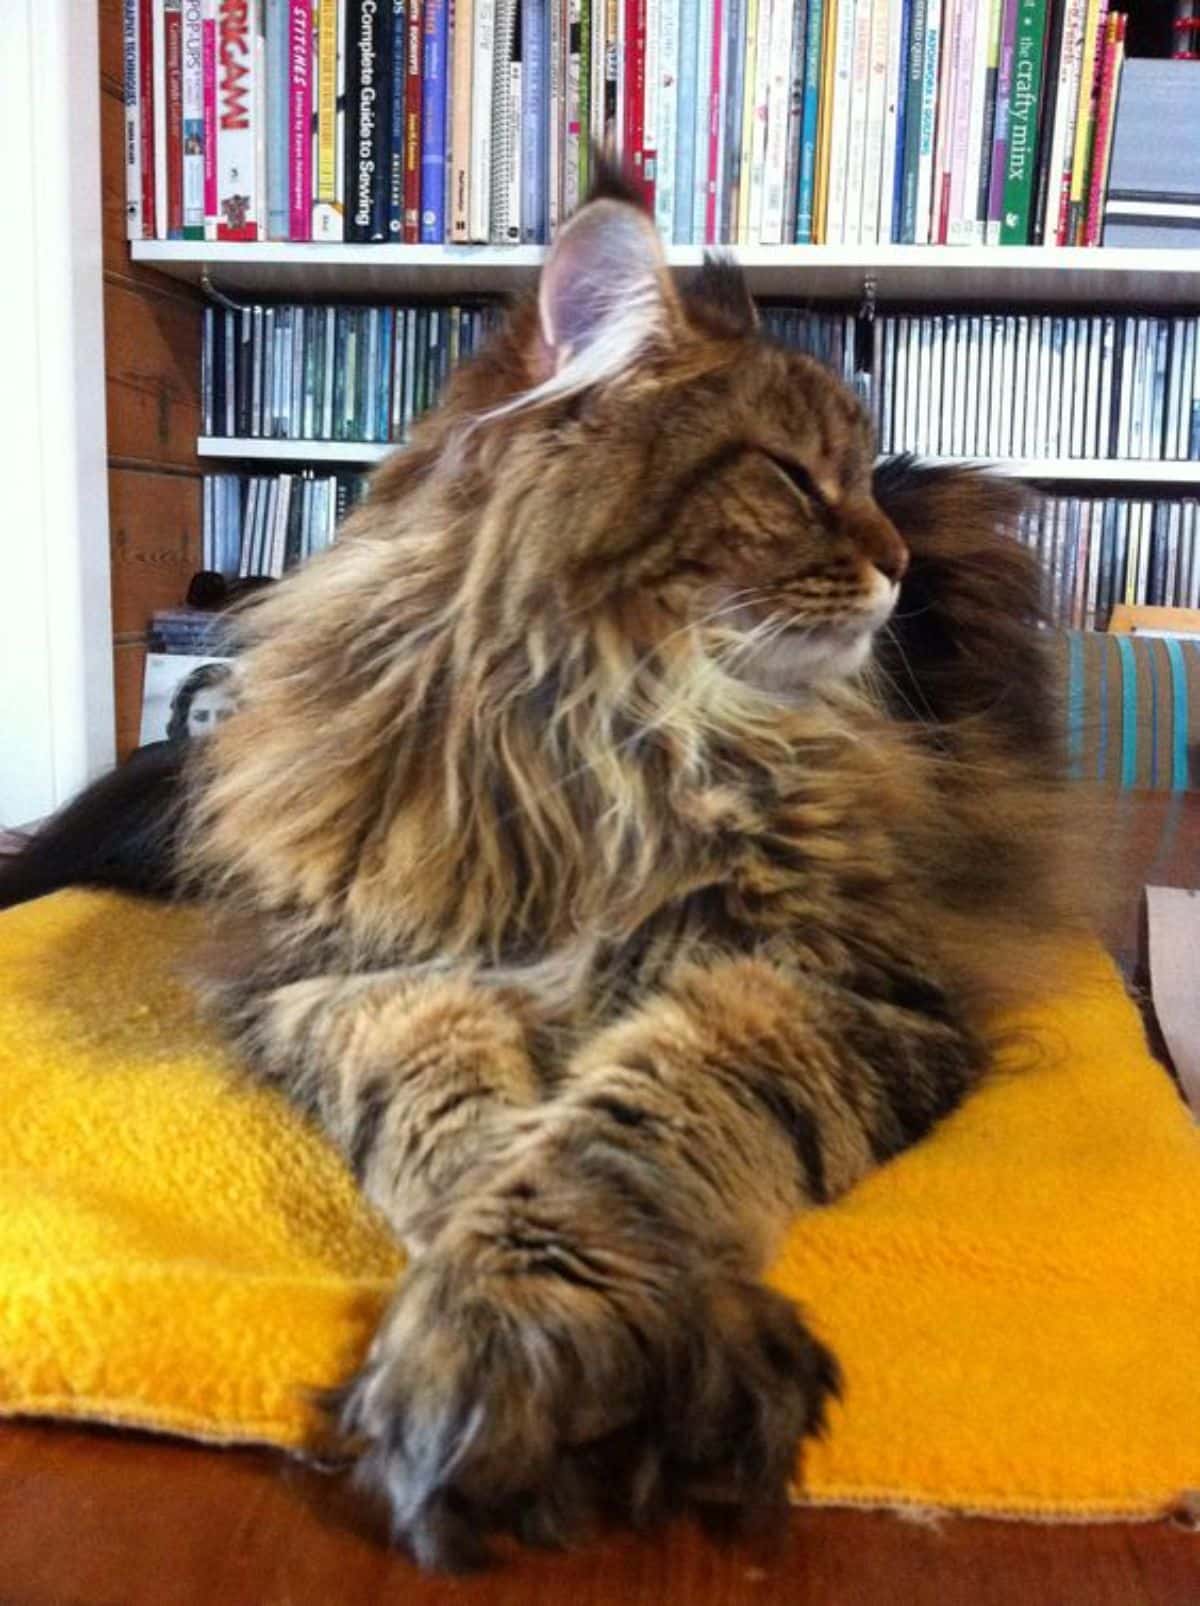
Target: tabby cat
(611, 882)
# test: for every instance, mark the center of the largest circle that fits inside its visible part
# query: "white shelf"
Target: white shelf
(1059, 469)
(294, 451)
(1008, 274)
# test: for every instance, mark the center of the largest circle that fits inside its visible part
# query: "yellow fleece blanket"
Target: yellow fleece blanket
(1016, 1303)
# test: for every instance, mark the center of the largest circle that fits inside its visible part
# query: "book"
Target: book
(328, 31)
(192, 115)
(277, 21)
(483, 85)
(132, 132)
(668, 119)
(462, 111)
(923, 233)
(533, 121)
(876, 122)
(1091, 72)
(1026, 89)
(173, 80)
(433, 124)
(299, 120)
(504, 222)
(237, 162)
(414, 57)
(806, 192)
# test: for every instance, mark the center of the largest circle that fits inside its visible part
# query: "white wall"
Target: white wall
(56, 694)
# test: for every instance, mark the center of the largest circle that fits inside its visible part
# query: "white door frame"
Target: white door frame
(56, 663)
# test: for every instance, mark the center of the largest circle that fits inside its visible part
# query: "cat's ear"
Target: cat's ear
(606, 293)
(722, 286)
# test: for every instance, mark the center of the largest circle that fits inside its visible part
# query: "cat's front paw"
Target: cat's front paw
(531, 1375)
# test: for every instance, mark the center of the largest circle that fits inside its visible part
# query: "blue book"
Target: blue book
(914, 86)
(704, 46)
(395, 167)
(808, 125)
(731, 177)
(383, 375)
(897, 176)
(534, 119)
(278, 81)
(433, 125)
(685, 145)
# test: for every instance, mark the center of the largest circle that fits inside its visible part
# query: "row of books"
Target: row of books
(352, 373)
(742, 121)
(263, 524)
(1038, 386)
(1100, 551)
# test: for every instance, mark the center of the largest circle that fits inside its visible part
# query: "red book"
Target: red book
(146, 98)
(300, 177)
(412, 124)
(714, 126)
(174, 53)
(635, 94)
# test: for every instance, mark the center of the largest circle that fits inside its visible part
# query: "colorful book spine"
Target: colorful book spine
(808, 134)
(716, 123)
(926, 150)
(999, 159)
(381, 127)
(988, 128)
(300, 121)
(173, 52)
(533, 121)
(572, 70)
(741, 231)
(825, 122)
(132, 128)
(791, 173)
(700, 114)
(192, 48)
(237, 167)
(943, 154)
(461, 114)
(1054, 35)
(327, 220)
(556, 66)
(668, 119)
(969, 215)
(770, 231)
(1065, 106)
(876, 124)
(585, 93)
(209, 41)
(146, 132)
(159, 104)
(433, 126)
(1114, 56)
(892, 171)
(395, 175)
(413, 120)
(1085, 127)
(1022, 133)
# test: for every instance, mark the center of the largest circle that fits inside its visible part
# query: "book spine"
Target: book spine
(161, 159)
(326, 214)
(571, 104)
(209, 62)
(483, 71)
(927, 148)
(971, 214)
(733, 105)
(192, 117)
(685, 117)
(1065, 107)
(146, 132)
(300, 121)
(960, 194)
(133, 130)
(795, 116)
(395, 154)
(809, 127)
(770, 230)
(433, 126)
(839, 132)
(613, 111)
(940, 198)
(876, 123)
(988, 127)
(860, 74)
(892, 165)
(462, 113)
(585, 95)
(1027, 77)
(381, 130)
(1105, 118)
(556, 66)
(356, 150)
(237, 167)
(414, 55)
(516, 95)
(258, 42)
(668, 119)
(700, 118)
(651, 103)
(1095, 27)
(741, 227)
(999, 164)
(503, 140)
(173, 50)
(533, 121)
(277, 131)
(825, 120)
(914, 74)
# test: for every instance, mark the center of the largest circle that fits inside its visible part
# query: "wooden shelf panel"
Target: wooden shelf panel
(1029, 274)
(1058, 469)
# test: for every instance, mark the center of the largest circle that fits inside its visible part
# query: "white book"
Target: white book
(651, 98)
(700, 121)
(570, 134)
(971, 21)
(1141, 378)
(556, 66)
(876, 118)
(891, 121)
(1021, 408)
(193, 116)
(972, 220)
(668, 113)
(130, 72)
(759, 86)
(839, 131)
(282, 515)
(504, 222)
(158, 65)
(929, 113)
(945, 421)
(779, 91)
(857, 140)
(483, 68)
(516, 90)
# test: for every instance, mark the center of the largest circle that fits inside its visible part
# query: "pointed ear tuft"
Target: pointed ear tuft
(721, 287)
(610, 182)
(606, 293)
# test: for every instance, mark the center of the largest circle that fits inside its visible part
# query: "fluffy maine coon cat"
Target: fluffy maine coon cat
(610, 882)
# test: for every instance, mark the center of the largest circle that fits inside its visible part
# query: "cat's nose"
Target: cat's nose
(893, 562)
(879, 542)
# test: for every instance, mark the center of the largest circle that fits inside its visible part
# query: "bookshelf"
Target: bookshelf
(1059, 470)
(1043, 275)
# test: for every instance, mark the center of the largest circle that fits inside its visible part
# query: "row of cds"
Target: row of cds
(263, 524)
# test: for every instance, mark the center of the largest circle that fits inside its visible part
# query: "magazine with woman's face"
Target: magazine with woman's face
(185, 699)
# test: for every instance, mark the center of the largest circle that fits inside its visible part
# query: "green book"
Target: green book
(1028, 50)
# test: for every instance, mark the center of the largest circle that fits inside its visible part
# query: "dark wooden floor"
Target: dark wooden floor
(107, 1519)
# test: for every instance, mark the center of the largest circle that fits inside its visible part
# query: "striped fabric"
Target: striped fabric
(1133, 710)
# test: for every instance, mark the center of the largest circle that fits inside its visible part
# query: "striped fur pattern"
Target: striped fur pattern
(606, 880)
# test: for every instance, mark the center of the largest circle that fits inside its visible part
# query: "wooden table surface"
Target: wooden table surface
(116, 1519)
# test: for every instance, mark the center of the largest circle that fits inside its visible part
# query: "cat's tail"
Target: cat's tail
(120, 832)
